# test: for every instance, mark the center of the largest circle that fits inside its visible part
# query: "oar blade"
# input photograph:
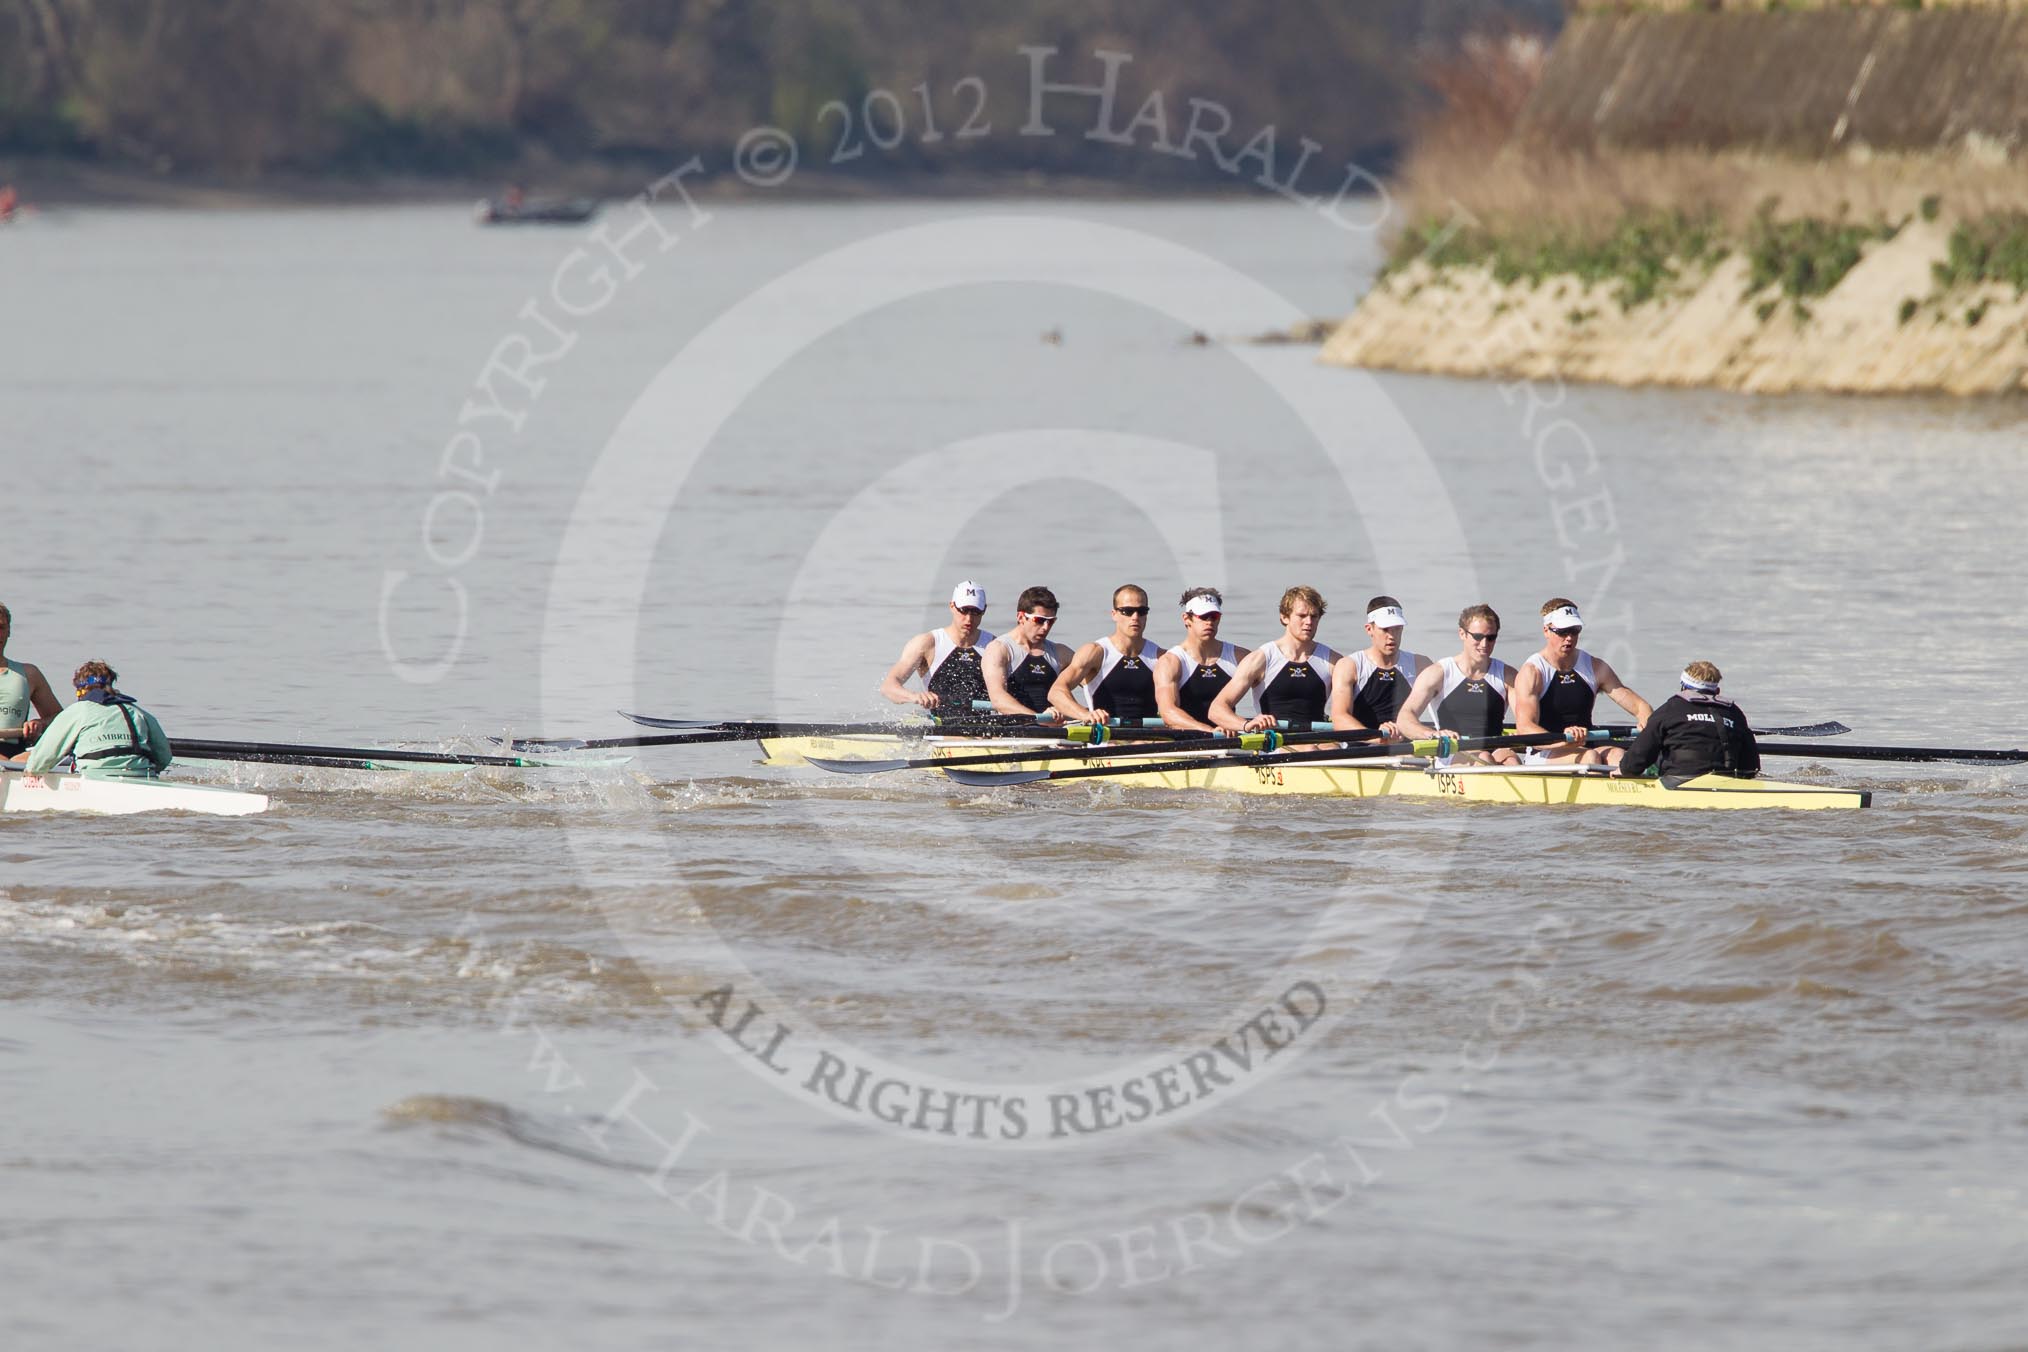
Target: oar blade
(995, 779)
(650, 722)
(1831, 729)
(856, 767)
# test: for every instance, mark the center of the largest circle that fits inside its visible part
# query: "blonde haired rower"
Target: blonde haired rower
(1292, 675)
(1557, 687)
(1468, 693)
(1695, 732)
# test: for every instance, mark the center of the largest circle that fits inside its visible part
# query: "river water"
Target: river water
(466, 1060)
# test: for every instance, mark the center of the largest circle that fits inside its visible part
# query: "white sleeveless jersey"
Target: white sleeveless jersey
(1567, 698)
(1321, 661)
(1377, 702)
(1009, 653)
(1198, 687)
(1548, 672)
(1475, 706)
(1227, 661)
(946, 645)
(1497, 676)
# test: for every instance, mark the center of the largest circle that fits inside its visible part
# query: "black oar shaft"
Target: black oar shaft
(748, 732)
(1897, 753)
(197, 748)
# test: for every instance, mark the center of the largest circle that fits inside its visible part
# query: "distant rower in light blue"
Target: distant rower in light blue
(105, 732)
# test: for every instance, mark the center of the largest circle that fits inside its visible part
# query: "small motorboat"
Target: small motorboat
(537, 210)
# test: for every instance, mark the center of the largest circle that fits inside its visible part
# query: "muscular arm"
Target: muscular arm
(1409, 720)
(1063, 695)
(1526, 704)
(1622, 694)
(44, 700)
(914, 660)
(1225, 709)
(1168, 686)
(993, 670)
(1344, 676)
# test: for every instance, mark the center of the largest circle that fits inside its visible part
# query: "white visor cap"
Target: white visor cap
(1203, 605)
(968, 593)
(1563, 617)
(1387, 617)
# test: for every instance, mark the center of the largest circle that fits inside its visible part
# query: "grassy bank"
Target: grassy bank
(1650, 254)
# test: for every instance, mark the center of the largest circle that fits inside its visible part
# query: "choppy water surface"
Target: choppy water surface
(425, 1059)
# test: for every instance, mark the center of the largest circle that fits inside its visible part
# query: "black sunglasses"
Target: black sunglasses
(1131, 610)
(1571, 632)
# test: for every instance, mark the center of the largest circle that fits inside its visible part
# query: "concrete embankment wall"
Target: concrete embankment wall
(1800, 82)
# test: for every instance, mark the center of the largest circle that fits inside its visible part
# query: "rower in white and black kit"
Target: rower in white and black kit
(1696, 732)
(1116, 674)
(1291, 676)
(1466, 694)
(1191, 676)
(1021, 667)
(947, 659)
(1368, 688)
(1556, 689)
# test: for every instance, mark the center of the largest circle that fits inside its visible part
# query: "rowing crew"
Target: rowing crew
(1295, 680)
(105, 733)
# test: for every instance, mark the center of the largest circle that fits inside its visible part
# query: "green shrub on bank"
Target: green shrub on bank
(1807, 257)
(1990, 249)
(1642, 256)
(1802, 259)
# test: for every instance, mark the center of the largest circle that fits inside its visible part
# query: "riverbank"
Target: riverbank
(1824, 199)
(1921, 306)
(75, 183)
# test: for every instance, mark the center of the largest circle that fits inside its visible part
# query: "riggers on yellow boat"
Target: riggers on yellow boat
(783, 751)
(1492, 784)
(1400, 777)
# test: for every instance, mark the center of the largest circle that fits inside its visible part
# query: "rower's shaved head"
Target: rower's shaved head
(1139, 594)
